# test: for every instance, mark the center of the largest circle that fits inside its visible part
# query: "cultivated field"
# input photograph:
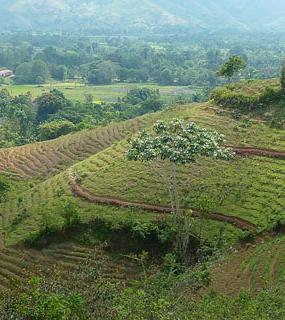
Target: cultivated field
(78, 91)
(253, 267)
(45, 158)
(90, 170)
(68, 259)
(251, 188)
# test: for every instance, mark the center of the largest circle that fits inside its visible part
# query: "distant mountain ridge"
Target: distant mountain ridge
(141, 14)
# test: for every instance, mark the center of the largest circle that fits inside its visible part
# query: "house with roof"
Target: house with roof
(6, 73)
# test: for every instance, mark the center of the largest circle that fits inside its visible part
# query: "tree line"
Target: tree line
(24, 119)
(104, 60)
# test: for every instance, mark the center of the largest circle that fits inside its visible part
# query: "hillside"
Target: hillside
(253, 267)
(120, 206)
(98, 162)
(142, 15)
(45, 158)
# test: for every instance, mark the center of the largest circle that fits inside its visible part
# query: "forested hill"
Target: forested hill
(141, 15)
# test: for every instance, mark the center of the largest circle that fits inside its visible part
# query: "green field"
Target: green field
(254, 267)
(77, 91)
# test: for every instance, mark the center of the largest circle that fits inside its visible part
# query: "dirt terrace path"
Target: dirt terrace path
(259, 152)
(82, 192)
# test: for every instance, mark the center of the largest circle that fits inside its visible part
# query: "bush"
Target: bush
(70, 214)
(40, 302)
(137, 305)
(156, 297)
(4, 187)
(227, 97)
(55, 129)
(267, 305)
(140, 95)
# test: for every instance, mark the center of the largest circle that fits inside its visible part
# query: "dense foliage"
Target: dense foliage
(170, 293)
(51, 115)
(168, 60)
(266, 102)
(178, 143)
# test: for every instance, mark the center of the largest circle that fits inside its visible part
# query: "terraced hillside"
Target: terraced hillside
(90, 166)
(45, 158)
(19, 264)
(27, 213)
(253, 267)
(250, 188)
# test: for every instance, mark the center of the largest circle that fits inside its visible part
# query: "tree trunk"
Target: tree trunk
(158, 169)
(175, 190)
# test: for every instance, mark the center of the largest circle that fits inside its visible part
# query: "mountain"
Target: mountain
(142, 14)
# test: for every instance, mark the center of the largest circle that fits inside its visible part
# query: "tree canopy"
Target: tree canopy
(233, 66)
(178, 143)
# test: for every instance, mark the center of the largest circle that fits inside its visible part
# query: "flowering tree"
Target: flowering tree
(174, 143)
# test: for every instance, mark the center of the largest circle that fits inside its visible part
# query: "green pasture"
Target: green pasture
(110, 93)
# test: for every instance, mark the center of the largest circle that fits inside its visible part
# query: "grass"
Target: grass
(50, 157)
(251, 188)
(253, 87)
(248, 187)
(66, 258)
(109, 93)
(255, 267)
(43, 203)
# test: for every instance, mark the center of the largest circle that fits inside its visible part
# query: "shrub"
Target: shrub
(267, 305)
(54, 129)
(270, 94)
(4, 187)
(70, 214)
(228, 97)
(40, 302)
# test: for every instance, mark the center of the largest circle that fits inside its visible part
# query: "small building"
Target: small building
(6, 73)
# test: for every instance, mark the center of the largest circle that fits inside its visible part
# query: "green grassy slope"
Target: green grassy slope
(21, 263)
(49, 157)
(249, 187)
(253, 87)
(253, 267)
(25, 214)
(45, 158)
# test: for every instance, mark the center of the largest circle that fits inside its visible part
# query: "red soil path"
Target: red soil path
(82, 192)
(259, 152)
